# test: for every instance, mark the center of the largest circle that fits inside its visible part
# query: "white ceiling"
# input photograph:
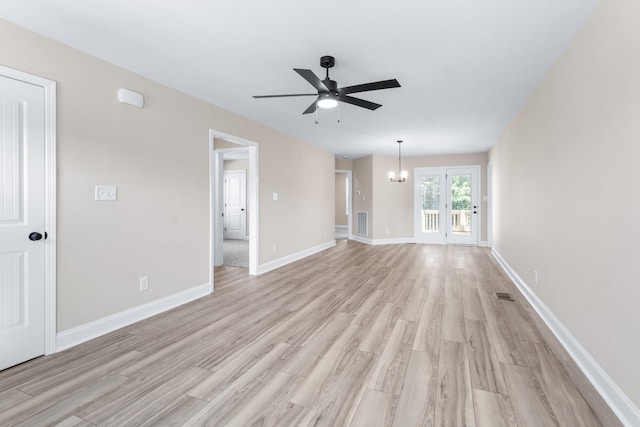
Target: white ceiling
(465, 66)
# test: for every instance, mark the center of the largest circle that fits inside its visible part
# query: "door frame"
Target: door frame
(443, 237)
(50, 186)
(349, 200)
(216, 182)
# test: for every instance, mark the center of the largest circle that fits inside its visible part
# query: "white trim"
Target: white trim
(50, 286)
(342, 227)
(88, 331)
(215, 163)
(490, 203)
(272, 265)
(213, 167)
(392, 241)
(610, 392)
(483, 244)
(362, 239)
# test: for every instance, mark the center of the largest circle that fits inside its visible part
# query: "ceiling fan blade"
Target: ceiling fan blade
(383, 84)
(314, 80)
(283, 96)
(312, 107)
(359, 102)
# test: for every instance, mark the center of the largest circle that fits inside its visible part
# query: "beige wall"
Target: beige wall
(564, 200)
(158, 158)
(344, 164)
(341, 199)
(393, 202)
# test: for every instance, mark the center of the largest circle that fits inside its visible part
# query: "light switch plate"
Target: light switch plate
(106, 192)
(275, 196)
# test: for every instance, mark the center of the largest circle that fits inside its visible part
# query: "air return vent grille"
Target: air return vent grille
(363, 223)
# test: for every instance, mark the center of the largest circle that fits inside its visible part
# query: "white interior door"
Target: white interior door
(235, 205)
(446, 205)
(22, 220)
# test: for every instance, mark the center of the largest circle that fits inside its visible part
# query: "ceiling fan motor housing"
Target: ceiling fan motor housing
(327, 61)
(332, 85)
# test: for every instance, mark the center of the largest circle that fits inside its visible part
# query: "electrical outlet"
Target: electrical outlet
(535, 276)
(144, 283)
(386, 231)
(274, 248)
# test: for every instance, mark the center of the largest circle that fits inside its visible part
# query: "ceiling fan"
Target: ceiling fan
(328, 92)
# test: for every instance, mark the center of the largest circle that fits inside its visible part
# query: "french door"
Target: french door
(446, 205)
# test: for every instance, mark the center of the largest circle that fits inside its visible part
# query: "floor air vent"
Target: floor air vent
(506, 296)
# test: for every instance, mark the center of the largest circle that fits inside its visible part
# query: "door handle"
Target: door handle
(242, 210)
(35, 236)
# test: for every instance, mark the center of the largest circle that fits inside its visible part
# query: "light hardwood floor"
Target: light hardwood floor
(398, 335)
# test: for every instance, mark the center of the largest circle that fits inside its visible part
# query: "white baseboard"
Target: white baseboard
(88, 331)
(610, 392)
(394, 241)
(277, 263)
(375, 242)
(362, 239)
(342, 227)
(483, 244)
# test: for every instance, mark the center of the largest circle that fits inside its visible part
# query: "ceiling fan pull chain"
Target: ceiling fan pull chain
(338, 112)
(316, 122)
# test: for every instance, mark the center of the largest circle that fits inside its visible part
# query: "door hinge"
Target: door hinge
(225, 229)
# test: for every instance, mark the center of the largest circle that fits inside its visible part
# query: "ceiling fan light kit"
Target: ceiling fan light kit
(329, 94)
(327, 101)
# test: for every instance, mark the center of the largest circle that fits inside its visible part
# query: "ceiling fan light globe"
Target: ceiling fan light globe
(327, 103)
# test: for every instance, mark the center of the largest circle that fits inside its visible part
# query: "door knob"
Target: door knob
(242, 210)
(35, 236)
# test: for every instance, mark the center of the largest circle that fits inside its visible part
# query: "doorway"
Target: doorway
(237, 154)
(343, 204)
(446, 206)
(235, 246)
(27, 217)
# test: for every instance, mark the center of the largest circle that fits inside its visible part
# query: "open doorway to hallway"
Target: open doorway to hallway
(343, 204)
(234, 210)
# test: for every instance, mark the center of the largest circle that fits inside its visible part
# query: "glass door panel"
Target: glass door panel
(462, 206)
(430, 195)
